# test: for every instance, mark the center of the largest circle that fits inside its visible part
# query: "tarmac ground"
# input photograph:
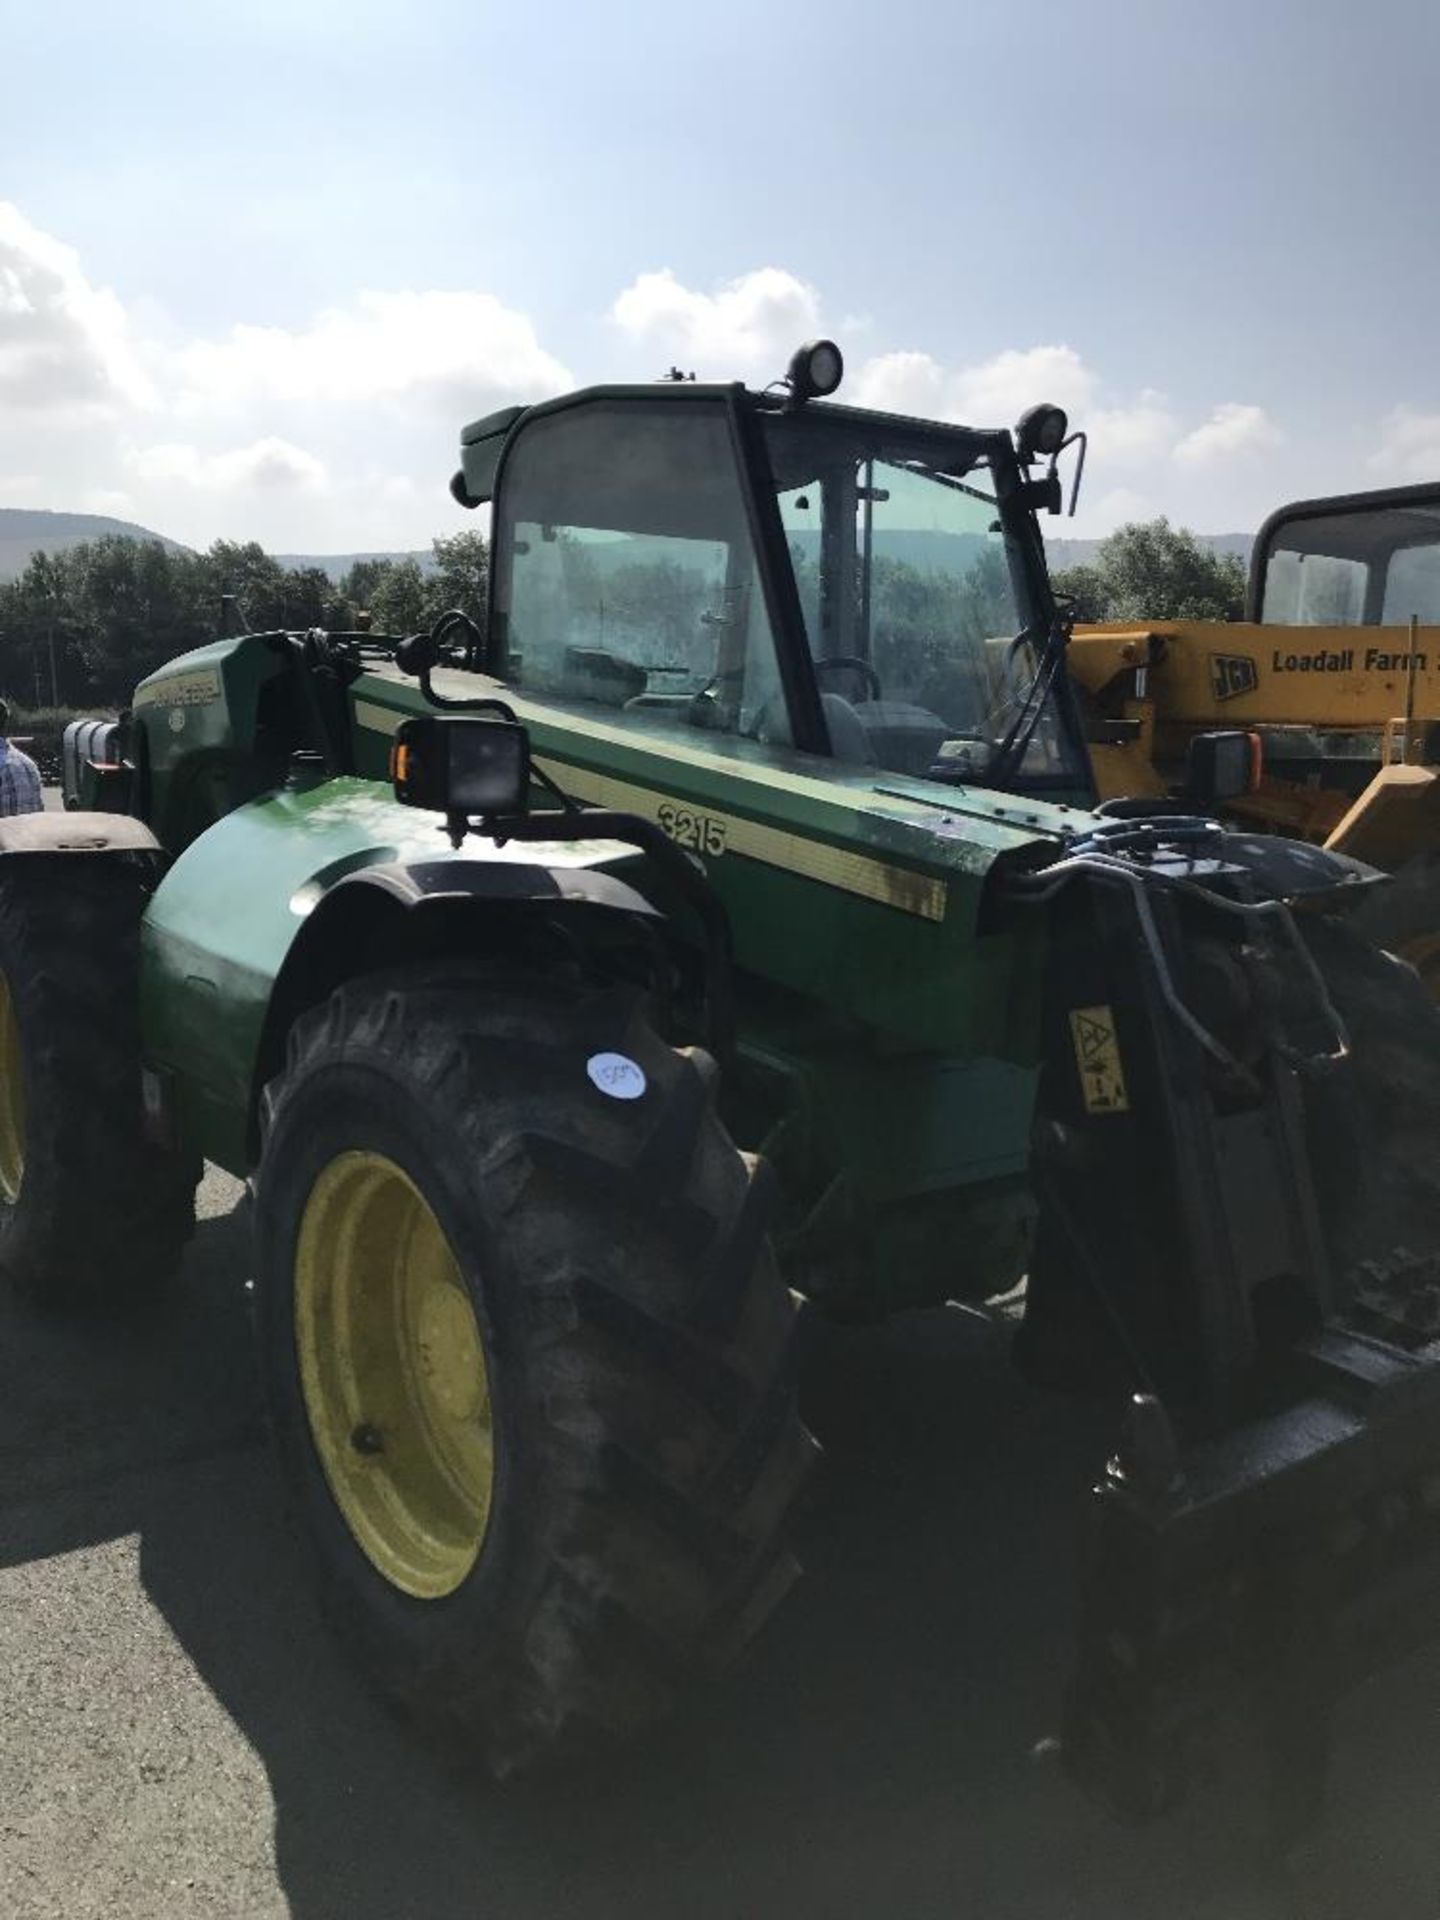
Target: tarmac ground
(180, 1736)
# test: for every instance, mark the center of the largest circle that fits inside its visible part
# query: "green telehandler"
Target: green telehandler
(725, 922)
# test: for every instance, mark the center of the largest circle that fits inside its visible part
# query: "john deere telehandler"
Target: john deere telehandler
(726, 919)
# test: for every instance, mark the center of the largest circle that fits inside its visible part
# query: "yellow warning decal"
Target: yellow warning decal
(1097, 1055)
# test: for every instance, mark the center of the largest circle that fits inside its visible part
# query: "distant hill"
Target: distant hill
(25, 531)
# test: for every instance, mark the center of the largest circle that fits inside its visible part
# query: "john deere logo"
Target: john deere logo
(1232, 674)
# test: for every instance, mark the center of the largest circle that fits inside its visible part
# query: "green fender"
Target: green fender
(275, 904)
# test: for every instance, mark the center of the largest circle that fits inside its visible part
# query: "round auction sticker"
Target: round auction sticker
(617, 1075)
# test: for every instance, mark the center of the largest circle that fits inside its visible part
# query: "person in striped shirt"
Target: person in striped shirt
(19, 775)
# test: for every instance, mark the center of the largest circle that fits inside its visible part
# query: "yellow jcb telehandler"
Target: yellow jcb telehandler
(1334, 675)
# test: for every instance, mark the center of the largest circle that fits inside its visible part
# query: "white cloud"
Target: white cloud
(336, 432)
(993, 393)
(1114, 508)
(1233, 430)
(270, 465)
(455, 351)
(997, 392)
(1127, 437)
(65, 346)
(1137, 445)
(747, 327)
(901, 383)
(1132, 434)
(1409, 446)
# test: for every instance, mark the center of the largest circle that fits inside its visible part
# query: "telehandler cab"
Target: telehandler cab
(727, 916)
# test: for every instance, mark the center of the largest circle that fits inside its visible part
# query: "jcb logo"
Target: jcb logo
(1232, 674)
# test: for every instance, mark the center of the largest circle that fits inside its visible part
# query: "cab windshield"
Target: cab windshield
(1373, 563)
(929, 659)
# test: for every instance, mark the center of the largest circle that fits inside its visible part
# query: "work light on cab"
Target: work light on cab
(1040, 430)
(815, 370)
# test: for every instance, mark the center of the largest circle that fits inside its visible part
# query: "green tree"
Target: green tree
(135, 604)
(1152, 571)
(1084, 589)
(360, 585)
(83, 626)
(39, 630)
(311, 598)
(461, 575)
(399, 602)
(258, 581)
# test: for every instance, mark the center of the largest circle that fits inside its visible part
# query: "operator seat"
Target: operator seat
(849, 736)
(899, 736)
(887, 734)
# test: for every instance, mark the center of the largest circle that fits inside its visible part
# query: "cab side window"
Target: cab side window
(625, 574)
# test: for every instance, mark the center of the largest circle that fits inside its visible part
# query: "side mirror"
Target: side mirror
(462, 766)
(1222, 766)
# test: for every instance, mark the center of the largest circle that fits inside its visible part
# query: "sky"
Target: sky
(260, 262)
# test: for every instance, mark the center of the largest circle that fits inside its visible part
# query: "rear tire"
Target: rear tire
(635, 1334)
(91, 1210)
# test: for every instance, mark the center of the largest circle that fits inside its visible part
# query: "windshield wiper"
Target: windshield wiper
(947, 480)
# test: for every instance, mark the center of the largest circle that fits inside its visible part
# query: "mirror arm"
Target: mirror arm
(444, 705)
(1081, 438)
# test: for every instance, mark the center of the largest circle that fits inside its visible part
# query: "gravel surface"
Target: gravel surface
(179, 1737)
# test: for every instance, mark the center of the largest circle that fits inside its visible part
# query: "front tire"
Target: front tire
(528, 1358)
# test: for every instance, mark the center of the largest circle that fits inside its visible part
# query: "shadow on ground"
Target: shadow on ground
(873, 1757)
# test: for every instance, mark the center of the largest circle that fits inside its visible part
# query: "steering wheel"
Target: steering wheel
(852, 663)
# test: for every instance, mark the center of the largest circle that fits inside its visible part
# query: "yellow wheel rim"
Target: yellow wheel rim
(12, 1101)
(392, 1368)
